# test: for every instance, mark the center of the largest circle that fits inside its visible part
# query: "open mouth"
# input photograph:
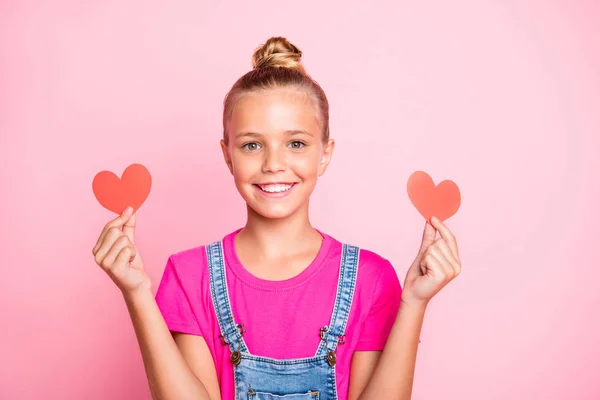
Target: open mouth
(275, 187)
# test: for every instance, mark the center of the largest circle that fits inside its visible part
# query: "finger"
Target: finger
(129, 228)
(429, 233)
(433, 267)
(122, 243)
(117, 222)
(446, 267)
(107, 243)
(125, 256)
(446, 234)
(443, 246)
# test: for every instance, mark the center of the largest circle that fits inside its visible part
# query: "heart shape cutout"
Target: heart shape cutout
(132, 189)
(442, 201)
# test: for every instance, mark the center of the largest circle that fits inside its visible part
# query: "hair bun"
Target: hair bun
(278, 52)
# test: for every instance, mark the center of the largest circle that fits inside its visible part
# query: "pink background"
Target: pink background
(503, 97)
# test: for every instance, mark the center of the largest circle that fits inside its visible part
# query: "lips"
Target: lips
(278, 187)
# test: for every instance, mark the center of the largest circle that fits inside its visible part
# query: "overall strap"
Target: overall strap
(343, 300)
(230, 331)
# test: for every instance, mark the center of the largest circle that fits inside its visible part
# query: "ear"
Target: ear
(326, 156)
(226, 155)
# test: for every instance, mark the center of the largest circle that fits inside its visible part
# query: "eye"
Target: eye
(252, 146)
(296, 144)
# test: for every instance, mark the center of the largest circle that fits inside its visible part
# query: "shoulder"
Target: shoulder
(184, 273)
(374, 262)
(183, 293)
(374, 270)
(186, 277)
(189, 264)
(190, 257)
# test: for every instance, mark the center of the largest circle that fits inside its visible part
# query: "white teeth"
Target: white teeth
(275, 188)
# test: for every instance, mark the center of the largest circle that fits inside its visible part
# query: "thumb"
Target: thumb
(429, 233)
(129, 227)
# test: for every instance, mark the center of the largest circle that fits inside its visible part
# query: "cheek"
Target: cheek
(242, 166)
(307, 166)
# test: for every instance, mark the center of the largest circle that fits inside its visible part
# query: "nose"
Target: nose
(274, 160)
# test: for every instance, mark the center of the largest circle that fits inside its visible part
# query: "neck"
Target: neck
(273, 237)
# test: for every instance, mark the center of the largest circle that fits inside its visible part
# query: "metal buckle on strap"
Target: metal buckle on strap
(331, 354)
(225, 342)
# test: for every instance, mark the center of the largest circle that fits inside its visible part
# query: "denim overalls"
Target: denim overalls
(263, 378)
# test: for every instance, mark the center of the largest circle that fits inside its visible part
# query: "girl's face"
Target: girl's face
(275, 151)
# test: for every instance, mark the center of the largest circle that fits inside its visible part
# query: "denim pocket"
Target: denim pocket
(310, 395)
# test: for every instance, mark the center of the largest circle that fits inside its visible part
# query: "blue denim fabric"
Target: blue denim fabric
(263, 378)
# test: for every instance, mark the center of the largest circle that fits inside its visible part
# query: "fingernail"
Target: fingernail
(434, 219)
(127, 211)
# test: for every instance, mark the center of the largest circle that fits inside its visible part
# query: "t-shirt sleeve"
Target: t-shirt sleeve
(173, 302)
(382, 315)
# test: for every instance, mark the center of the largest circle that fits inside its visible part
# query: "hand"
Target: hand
(116, 253)
(436, 264)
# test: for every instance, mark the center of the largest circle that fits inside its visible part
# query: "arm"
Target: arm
(169, 375)
(361, 370)
(392, 376)
(436, 264)
(196, 353)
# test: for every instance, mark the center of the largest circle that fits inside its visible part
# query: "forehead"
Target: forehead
(274, 110)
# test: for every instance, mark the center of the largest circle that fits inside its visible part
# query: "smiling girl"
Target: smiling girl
(278, 309)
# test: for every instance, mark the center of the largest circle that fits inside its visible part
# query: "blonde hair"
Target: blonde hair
(276, 64)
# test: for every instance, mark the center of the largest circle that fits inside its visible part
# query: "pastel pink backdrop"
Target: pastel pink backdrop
(500, 96)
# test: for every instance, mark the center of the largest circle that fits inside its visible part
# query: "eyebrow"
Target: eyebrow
(287, 133)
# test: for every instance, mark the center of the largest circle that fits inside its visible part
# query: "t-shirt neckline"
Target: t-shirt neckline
(234, 265)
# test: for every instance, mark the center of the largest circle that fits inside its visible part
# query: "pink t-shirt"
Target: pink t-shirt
(282, 318)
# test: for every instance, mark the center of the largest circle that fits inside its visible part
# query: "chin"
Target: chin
(274, 212)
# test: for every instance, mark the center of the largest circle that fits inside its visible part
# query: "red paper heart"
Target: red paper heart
(442, 201)
(117, 194)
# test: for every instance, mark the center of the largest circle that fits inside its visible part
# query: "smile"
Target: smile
(275, 187)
